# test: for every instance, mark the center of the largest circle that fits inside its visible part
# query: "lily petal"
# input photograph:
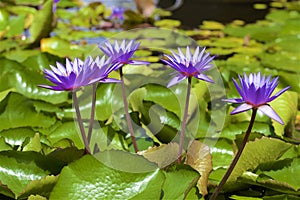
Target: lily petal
(267, 110)
(241, 108)
(177, 79)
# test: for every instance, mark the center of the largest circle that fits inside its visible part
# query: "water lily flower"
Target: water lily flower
(78, 73)
(117, 14)
(189, 65)
(256, 91)
(55, 2)
(122, 53)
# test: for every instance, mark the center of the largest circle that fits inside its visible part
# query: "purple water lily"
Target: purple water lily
(189, 65)
(78, 73)
(256, 91)
(122, 53)
(55, 2)
(117, 14)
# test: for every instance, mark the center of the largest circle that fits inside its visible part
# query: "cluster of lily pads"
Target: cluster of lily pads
(42, 149)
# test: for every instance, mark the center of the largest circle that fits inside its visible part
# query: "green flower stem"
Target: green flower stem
(184, 120)
(128, 119)
(80, 122)
(92, 117)
(236, 158)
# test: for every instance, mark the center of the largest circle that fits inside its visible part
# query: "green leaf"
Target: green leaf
(280, 16)
(16, 136)
(199, 158)
(20, 55)
(42, 187)
(3, 145)
(36, 197)
(108, 101)
(260, 32)
(34, 144)
(284, 61)
(42, 23)
(16, 26)
(4, 93)
(212, 25)
(67, 130)
(17, 175)
(221, 150)
(180, 177)
(62, 48)
(256, 152)
(236, 197)
(163, 96)
(167, 23)
(164, 155)
(286, 107)
(125, 161)
(88, 178)
(4, 19)
(288, 175)
(14, 75)
(236, 128)
(19, 113)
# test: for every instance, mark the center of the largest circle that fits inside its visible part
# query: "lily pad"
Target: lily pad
(88, 178)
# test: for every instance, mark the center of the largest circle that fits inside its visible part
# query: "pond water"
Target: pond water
(192, 12)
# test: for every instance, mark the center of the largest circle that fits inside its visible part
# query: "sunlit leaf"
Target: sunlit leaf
(34, 144)
(67, 130)
(163, 155)
(198, 157)
(286, 107)
(15, 75)
(19, 113)
(212, 25)
(42, 187)
(17, 175)
(3, 145)
(288, 175)
(181, 178)
(167, 23)
(257, 152)
(88, 178)
(42, 23)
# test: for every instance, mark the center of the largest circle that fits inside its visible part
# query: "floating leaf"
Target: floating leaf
(16, 25)
(256, 152)
(221, 150)
(167, 23)
(61, 48)
(42, 187)
(17, 175)
(36, 197)
(236, 197)
(286, 107)
(88, 178)
(181, 178)
(67, 130)
(289, 175)
(42, 23)
(34, 144)
(20, 55)
(164, 155)
(15, 75)
(198, 157)
(212, 25)
(284, 61)
(19, 113)
(3, 145)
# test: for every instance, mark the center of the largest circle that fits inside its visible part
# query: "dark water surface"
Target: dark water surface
(193, 12)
